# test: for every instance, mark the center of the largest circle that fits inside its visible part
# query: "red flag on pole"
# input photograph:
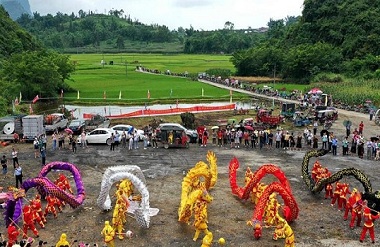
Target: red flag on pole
(148, 94)
(35, 99)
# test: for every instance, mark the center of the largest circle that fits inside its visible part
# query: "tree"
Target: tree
(36, 72)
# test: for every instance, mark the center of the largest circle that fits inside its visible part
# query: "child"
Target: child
(74, 144)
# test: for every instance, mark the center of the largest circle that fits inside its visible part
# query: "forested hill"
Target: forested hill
(90, 32)
(13, 38)
(332, 38)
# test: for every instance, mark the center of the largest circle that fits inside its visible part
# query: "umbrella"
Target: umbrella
(247, 127)
(374, 138)
(315, 91)
(347, 123)
(68, 131)
(325, 131)
(215, 127)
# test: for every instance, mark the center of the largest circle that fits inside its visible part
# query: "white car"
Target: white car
(99, 136)
(121, 127)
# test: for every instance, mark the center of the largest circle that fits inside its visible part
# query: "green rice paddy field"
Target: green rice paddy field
(93, 80)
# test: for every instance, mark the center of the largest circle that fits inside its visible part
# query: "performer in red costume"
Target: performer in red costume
(65, 181)
(36, 207)
(336, 193)
(342, 196)
(328, 191)
(12, 234)
(368, 219)
(50, 206)
(28, 222)
(356, 212)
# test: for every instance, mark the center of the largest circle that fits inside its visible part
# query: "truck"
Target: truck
(97, 121)
(10, 126)
(55, 121)
(265, 117)
(32, 126)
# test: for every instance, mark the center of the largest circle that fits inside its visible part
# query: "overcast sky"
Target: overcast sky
(201, 14)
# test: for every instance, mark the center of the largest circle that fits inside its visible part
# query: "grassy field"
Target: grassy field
(92, 78)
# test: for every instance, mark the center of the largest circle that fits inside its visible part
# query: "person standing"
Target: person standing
(123, 139)
(369, 145)
(334, 145)
(154, 139)
(18, 175)
(4, 165)
(130, 142)
(83, 139)
(14, 157)
(74, 145)
(112, 139)
(345, 146)
(361, 128)
(299, 142)
(35, 146)
(348, 130)
(315, 127)
(54, 141)
(43, 156)
(371, 112)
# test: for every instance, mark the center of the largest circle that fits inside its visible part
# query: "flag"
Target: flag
(19, 100)
(30, 109)
(148, 96)
(35, 99)
(104, 95)
(203, 92)
(120, 95)
(78, 95)
(61, 93)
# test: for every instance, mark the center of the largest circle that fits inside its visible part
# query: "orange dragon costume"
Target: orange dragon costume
(282, 188)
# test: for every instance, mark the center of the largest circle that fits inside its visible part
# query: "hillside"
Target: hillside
(13, 38)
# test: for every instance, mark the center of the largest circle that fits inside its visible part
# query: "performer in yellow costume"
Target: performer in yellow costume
(109, 234)
(62, 241)
(119, 218)
(200, 222)
(207, 240)
(284, 230)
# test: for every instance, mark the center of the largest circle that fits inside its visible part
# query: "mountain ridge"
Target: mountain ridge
(16, 8)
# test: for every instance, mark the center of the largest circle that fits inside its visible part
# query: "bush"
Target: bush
(188, 120)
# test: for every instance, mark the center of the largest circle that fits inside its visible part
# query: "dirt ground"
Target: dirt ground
(318, 223)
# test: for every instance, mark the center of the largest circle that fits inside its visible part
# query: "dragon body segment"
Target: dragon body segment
(143, 212)
(46, 187)
(373, 198)
(252, 179)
